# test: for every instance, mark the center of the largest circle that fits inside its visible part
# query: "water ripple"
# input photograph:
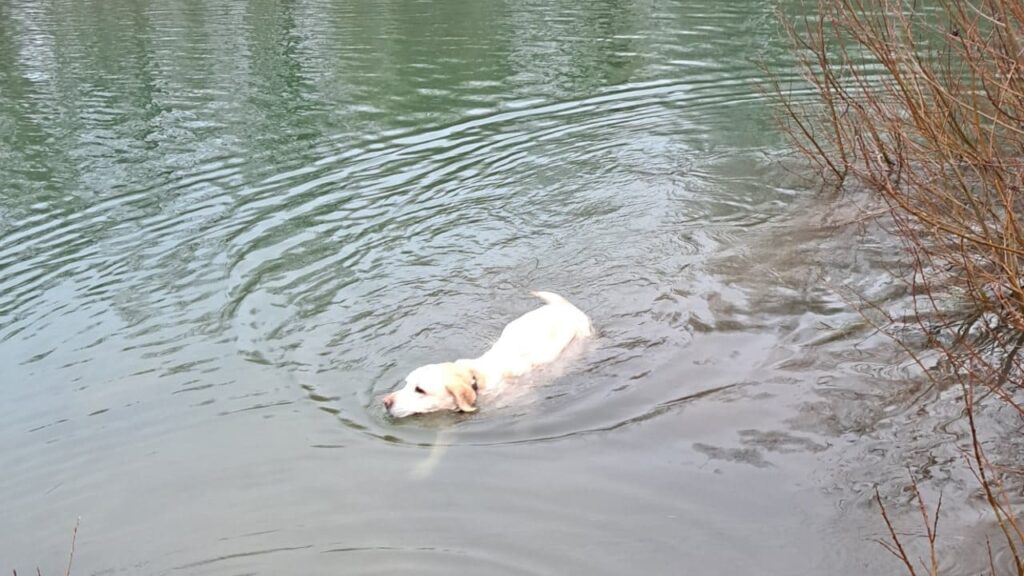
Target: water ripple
(226, 230)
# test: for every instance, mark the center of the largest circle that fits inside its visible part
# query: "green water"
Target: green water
(227, 229)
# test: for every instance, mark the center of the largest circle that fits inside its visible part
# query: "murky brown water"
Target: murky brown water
(227, 230)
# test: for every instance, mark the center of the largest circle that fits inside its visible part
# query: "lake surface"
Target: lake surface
(227, 229)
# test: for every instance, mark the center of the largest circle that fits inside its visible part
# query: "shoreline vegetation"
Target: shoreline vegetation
(922, 107)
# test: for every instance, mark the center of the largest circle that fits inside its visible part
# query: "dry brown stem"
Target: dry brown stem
(924, 107)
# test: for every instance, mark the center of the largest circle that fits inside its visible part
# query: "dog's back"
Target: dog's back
(539, 336)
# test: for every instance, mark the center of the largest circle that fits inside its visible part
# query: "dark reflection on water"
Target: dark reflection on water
(227, 229)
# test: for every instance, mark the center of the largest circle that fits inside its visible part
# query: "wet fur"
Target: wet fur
(531, 341)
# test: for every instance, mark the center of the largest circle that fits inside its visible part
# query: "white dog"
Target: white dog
(532, 340)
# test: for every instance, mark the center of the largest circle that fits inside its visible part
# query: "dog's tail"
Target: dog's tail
(550, 297)
(578, 317)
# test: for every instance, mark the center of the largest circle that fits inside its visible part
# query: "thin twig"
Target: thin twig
(898, 552)
(71, 556)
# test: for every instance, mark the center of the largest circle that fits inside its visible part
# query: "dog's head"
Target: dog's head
(446, 386)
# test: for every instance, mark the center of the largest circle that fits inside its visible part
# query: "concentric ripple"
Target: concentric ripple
(227, 229)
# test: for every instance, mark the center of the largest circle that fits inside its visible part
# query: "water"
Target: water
(226, 230)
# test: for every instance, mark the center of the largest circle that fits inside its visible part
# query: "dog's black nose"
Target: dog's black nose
(389, 400)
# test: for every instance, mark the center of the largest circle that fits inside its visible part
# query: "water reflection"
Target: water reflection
(227, 229)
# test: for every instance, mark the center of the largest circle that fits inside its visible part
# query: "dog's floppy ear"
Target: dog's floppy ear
(472, 375)
(462, 384)
(465, 397)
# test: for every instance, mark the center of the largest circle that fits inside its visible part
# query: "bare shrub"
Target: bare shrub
(923, 106)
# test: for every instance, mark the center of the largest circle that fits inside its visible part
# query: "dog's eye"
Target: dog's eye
(420, 390)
